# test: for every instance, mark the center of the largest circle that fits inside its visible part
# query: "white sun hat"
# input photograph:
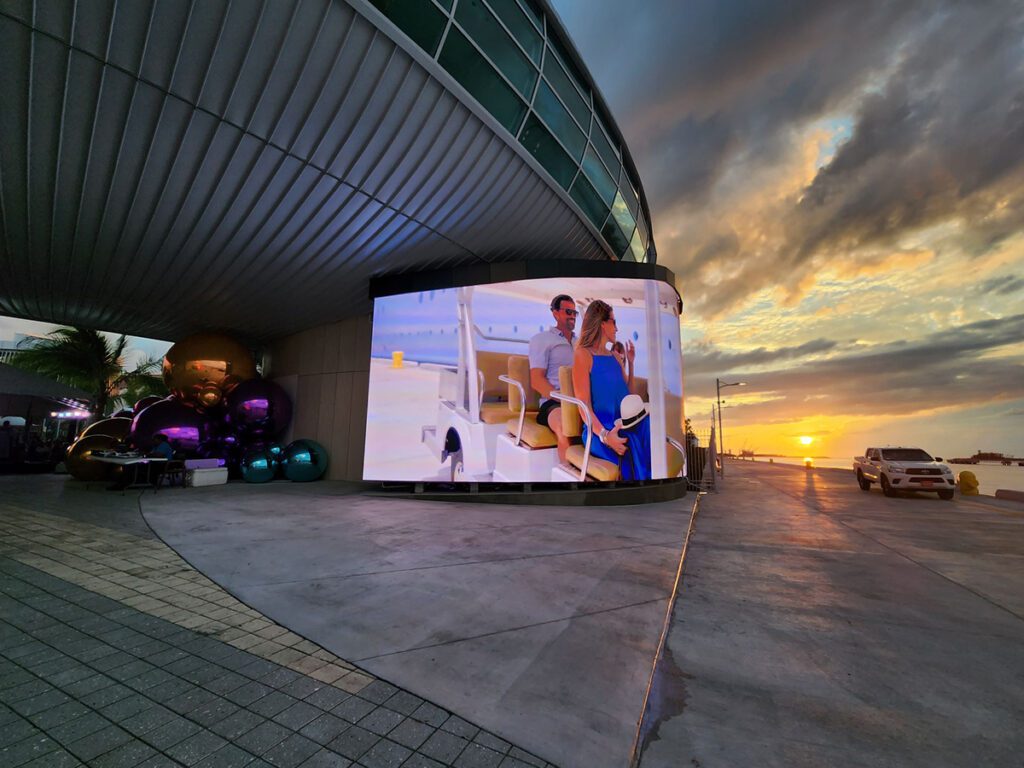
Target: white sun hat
(633, 411)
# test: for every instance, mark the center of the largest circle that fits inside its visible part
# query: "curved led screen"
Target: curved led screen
(573, 379)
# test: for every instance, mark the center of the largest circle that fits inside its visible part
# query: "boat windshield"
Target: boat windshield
(905, 454)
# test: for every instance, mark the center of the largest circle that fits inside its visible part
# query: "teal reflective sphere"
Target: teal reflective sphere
(304, 461)
(258, 466)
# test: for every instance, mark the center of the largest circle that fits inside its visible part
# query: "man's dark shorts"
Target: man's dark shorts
(545, 410)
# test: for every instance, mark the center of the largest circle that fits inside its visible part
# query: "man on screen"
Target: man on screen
(549, 351)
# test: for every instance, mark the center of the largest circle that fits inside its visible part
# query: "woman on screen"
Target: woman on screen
(601, 382)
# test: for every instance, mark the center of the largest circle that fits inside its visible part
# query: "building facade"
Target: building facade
(169, 167)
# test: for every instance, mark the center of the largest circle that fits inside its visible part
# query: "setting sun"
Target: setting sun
(805, 440)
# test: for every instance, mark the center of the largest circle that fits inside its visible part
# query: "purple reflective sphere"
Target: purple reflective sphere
(258, 408)
(186, 428)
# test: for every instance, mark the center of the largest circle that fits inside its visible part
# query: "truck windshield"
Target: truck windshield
(905, 454)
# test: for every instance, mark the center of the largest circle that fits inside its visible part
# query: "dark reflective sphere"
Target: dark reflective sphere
(204, 367)
(124, 413)
(304, 460)
(186, 428)
(115, 427)
(145, 403)
(259, 466)
(80, 462)
(258, 408)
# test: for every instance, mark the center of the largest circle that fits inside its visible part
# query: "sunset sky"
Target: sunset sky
(839, 188)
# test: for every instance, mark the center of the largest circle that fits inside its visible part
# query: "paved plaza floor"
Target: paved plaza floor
(115, 652)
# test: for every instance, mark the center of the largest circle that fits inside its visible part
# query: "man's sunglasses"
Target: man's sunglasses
(570, 312)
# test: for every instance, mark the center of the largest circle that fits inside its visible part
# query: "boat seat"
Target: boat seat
(498, 413)
(598, 469)
(534, 435)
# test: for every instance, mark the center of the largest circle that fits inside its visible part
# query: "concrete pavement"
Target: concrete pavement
(539, 623)
(818, 625)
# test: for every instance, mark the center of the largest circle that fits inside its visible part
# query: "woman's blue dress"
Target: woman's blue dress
(607, 388)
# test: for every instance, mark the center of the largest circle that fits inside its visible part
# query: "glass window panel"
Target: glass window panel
(603, 183)
(600, 142)
(636, 246)
(621, 214)
(627, 193)
(603, 121)
(536, 15)
(520, 27)
(480, 24)
(542, 145)
(446, 3)
(557, 119)
(614, 237)
(627, 256)
(588, 200)
(574, 73)
(423, 22)
(466, 65)
(563, 86)
(641, 225)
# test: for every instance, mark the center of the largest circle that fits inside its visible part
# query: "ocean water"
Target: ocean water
(991, 477)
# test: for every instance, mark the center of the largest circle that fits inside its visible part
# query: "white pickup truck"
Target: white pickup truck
(903, 469)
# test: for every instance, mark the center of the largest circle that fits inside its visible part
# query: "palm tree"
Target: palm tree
(87, 359)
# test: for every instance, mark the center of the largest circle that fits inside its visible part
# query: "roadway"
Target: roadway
(820, 625)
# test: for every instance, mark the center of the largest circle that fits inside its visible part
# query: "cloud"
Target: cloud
(717, 361)
(722, 105)
(1004, 285)
(940, 370)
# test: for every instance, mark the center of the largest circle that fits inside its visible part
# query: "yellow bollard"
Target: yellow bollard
(396, 359)
(968, 484)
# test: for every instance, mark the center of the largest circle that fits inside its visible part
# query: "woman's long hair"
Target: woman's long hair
(590, 332)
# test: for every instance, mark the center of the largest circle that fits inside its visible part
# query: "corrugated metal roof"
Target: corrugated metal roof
(168, 167)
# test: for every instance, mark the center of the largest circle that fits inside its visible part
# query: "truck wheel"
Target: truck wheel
(865, 484)
(886, 488)
(946, 495)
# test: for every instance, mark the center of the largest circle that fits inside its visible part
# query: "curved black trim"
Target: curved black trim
(506, 272)
(545, 494)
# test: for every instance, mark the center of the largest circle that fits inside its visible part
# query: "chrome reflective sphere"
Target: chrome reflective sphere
(258, 408)
(186, 428)
(115, 427)
(202, 368)
(304, 460)
(145, 403)
(258, 467)
(80, 463)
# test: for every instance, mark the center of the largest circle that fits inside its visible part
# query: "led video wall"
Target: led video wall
(534, 381)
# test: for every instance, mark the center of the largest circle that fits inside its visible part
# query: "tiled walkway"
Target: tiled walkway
(115, 652)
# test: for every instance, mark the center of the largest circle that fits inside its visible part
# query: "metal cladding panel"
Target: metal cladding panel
(171, 166)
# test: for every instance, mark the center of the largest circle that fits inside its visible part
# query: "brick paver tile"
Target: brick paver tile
(411, 733)
(478, 756)
(381, 721)
(126, 756)
(354, 742)
(195, 748)
(385, 754)
(291, 752)
(444, 747)
(324, 729)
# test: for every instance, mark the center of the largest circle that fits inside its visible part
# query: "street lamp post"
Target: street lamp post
(719, 386)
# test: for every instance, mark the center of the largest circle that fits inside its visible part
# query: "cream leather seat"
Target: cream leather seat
(518, 380)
